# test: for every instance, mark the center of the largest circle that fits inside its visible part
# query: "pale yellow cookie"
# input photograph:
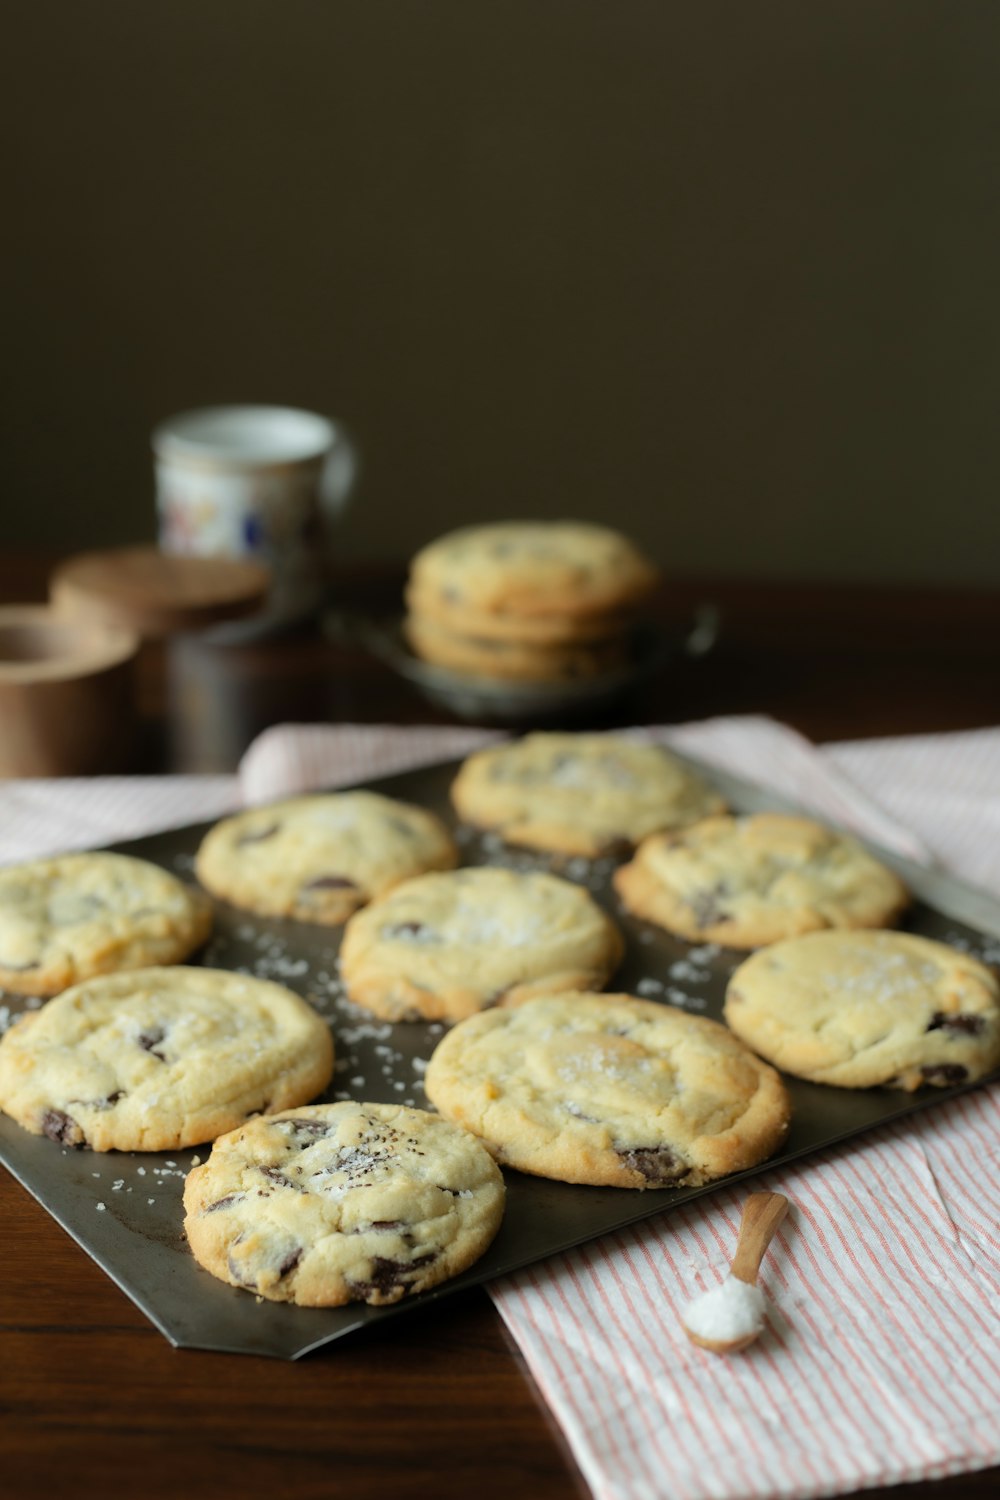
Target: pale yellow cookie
(747, 881)
(858, 1009)
(609, 1090)
(158, 1059)
(66, 919)
(562, 568)
(586, 794)
(462, 618)
(318, 858)
(515, 661)
(443, 946)
(343, 1203)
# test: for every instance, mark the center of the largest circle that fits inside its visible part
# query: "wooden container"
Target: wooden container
(195, 616)
(66, 698)
(156, 594)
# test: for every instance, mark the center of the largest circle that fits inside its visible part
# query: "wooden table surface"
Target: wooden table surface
(95, 1401)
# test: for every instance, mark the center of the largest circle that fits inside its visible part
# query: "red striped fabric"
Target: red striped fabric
(881, 1360)
(880, 1363)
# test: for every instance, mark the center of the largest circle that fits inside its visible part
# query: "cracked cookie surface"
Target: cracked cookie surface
(343, 1203)
(317, 858)
(609, 1090)
(747, 881)
(441, 947)
(159, 1059)
(580, 793)
(859, 1009)
(66, 919)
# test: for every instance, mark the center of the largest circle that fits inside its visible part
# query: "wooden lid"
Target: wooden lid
(156, 593)
(38, 644)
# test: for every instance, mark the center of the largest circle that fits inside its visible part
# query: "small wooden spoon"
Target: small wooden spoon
(762, 1214)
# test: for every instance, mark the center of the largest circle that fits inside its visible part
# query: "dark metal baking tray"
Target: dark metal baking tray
(124, 1209)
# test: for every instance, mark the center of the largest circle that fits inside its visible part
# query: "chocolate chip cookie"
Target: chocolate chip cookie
(158, 1059)
(609, 1090)
(859, 1009)
(343, 1203)
(63, 920)
(515, 661)
(318, 858)
(748, 881)
(587, 794)
(444, 946)
(566, 569)
(460, 617)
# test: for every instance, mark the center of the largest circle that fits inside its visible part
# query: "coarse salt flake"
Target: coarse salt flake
(732, 1310)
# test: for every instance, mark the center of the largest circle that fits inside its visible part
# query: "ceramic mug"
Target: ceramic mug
(255, 481)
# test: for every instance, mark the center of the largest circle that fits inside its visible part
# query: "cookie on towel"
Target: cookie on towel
(441, 947)
(747, 881)
(343, 1203)
(566, 569)
(609, 1090)
(319, 857)
(158, 1059)
(859, 1009)
(66, 919)
(586, 794)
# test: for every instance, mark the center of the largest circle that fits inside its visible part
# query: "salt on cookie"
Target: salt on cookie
(859, 1009)
(343, 1203)
(586, 794)
(317, 858)
(533, 568)
(159, 1059)
(748, 881)
(66, 919)
(609, 1090)
(445, 946)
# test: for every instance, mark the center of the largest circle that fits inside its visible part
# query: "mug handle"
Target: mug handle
(339, 474)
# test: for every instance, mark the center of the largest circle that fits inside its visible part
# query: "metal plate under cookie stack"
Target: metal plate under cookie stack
(125, 1210)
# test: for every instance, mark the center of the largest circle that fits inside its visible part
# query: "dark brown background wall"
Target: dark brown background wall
(724, 273)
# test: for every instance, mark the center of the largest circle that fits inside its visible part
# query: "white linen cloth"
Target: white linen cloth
(881, 1359)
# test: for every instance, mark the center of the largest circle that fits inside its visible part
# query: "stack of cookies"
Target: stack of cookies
(527, 601)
